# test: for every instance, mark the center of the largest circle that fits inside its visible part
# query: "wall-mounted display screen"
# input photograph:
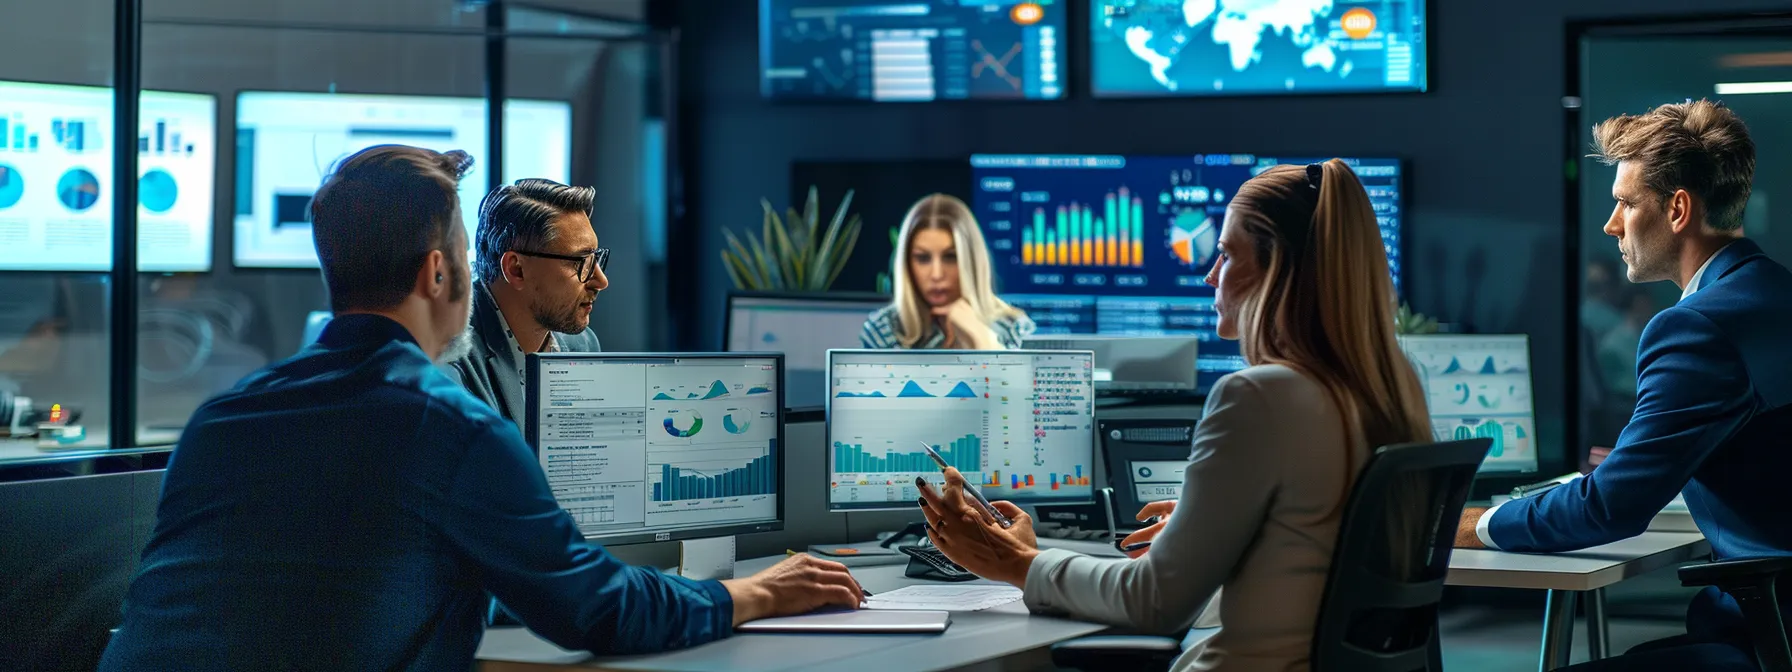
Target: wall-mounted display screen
(287, 142)
(1226, 47)
(56, 179)
(913, 50)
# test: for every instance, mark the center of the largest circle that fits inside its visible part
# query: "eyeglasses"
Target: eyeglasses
(598, 259)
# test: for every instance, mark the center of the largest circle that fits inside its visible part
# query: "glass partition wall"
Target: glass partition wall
(242, 108)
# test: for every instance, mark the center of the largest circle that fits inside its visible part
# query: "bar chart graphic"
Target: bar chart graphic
(1025, 481)
(1079, 235)
(163, 140)
(684, 482)
(15, 137)
(964, 454)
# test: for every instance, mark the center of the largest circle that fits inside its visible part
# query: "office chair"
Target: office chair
(1379, 609)
(1750, 581)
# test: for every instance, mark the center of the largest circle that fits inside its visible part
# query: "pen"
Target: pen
(1133, 547)
(862, 591)
(981, 500)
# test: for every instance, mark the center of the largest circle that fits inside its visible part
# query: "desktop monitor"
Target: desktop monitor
(658, 447)
(919, 50)
(1144, 48)
(57, 182)
(1119, 245)
(803, 327)
(1480, 386)
(286, 142)
(1019, 423)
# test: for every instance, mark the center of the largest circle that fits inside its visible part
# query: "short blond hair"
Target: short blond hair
(1698, 145)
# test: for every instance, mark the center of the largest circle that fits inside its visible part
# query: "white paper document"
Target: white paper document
(944, 598)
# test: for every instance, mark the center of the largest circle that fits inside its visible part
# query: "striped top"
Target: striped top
(882, 328)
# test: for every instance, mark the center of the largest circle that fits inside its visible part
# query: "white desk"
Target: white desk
(995, 636)
(1567, 575)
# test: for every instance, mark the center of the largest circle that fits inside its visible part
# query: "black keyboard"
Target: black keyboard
(934, 565)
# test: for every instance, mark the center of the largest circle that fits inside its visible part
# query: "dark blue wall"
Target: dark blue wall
(1484, 150)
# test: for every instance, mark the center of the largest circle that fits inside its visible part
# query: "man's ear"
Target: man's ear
(511, 265)
(1680, 210)
(432, 278)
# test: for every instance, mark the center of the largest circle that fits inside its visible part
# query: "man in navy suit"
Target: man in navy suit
(1714, 379)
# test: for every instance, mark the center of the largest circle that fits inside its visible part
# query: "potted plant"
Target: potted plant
(793, 253)
(1407, 322)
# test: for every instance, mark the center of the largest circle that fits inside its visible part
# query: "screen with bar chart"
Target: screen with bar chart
(1119, 245)
(658, 447)
(912, 50)
(286, 142)
(1019, 423)
(57, 180)
(1480, 386)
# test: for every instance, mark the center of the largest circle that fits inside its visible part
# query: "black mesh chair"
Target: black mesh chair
(1379, 610)
(1751, 582)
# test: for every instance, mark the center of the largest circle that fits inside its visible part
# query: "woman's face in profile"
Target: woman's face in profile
(1234, 274)
(933, 263)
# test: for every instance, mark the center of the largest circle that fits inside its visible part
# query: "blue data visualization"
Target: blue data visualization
(12, 186)
(1479, 386)
(912, 50)
(1243, 47)
(1120, 245)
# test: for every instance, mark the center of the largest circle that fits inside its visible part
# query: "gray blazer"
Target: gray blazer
(489, 370)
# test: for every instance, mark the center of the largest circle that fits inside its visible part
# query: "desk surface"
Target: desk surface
(974, 637)
(1589, 569)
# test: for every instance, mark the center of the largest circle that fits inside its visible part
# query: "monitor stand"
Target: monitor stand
(705, 559)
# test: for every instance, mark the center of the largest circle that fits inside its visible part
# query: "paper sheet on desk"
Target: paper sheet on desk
(944, 598)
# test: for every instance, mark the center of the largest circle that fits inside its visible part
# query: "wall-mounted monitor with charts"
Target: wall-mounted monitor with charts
(1264, 47)
(286, 142)
(1018, 423)
(56, 179)
(1480, 386)
(1119, 245)
(645, 448)
(802, 326)
(912, 50)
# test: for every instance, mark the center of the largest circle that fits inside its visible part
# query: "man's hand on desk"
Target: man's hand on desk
(798, 585)
(1465, 530)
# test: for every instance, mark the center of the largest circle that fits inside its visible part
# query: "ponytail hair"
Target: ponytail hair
(1325, 305)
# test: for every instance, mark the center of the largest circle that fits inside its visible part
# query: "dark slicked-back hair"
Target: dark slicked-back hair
(1699, 146)
(521, 217)
(378, 216)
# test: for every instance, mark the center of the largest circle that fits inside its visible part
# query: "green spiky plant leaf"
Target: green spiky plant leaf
(1407, 322)
(794, 252)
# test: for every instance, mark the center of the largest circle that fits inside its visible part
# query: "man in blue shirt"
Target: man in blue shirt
(350, 507)
(1714, 379)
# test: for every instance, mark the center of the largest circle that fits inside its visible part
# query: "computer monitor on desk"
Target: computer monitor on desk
(1480, 386)
(803, 327)
(1018, 423)
(645, 448)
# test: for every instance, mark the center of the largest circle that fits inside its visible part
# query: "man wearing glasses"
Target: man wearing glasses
(539, 271)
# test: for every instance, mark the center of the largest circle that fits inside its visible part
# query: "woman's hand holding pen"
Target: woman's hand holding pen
(973, 539)
(1159, 510)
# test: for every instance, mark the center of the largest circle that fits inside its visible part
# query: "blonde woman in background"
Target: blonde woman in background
(1302, 281)
(943, 295)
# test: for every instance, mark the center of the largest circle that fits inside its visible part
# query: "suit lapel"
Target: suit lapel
(1727, 260)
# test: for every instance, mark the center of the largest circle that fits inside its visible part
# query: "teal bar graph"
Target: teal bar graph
(757, 478)
(964, 454)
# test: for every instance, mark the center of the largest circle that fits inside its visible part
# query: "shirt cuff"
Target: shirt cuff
(1040, 592)
(1481, 525)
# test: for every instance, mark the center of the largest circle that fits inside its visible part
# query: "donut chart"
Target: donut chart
(12, 186)
(78, 189)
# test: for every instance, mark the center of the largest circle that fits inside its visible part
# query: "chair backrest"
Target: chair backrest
(1379, 612)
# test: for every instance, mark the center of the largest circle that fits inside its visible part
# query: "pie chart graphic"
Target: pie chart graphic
(157, 191)
(12, 186)
(78, 189)
(1193, 238)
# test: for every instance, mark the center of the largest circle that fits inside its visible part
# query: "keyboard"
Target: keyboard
(934, 565)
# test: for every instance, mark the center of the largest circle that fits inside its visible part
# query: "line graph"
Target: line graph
(988, 62)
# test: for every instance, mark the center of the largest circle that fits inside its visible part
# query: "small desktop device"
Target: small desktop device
(803, 327)
(1019, 424)
(1136, 365)
(660, 447)
(1480, 386)
(1146, 460)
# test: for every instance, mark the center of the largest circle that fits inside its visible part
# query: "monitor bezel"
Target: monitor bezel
(1495, 468)
(532, 433)
(827, 440)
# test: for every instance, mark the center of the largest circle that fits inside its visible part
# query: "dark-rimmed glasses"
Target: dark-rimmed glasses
(598, 259)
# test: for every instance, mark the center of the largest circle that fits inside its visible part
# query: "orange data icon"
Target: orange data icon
(1358, 23)
(1027, 13)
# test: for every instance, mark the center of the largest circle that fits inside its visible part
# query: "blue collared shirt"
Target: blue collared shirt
(350, 507)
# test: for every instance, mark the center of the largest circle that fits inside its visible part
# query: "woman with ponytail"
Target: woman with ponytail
(1302, 283)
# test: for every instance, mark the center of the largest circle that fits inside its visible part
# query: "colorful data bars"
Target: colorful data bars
(1022, 482)
(1077, 237)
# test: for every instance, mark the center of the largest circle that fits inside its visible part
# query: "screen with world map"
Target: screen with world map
(1245, 47)
(1118, 245)
(911, 50)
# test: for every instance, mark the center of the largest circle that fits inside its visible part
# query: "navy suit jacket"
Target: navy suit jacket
(1713, 419)
(348, 509)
